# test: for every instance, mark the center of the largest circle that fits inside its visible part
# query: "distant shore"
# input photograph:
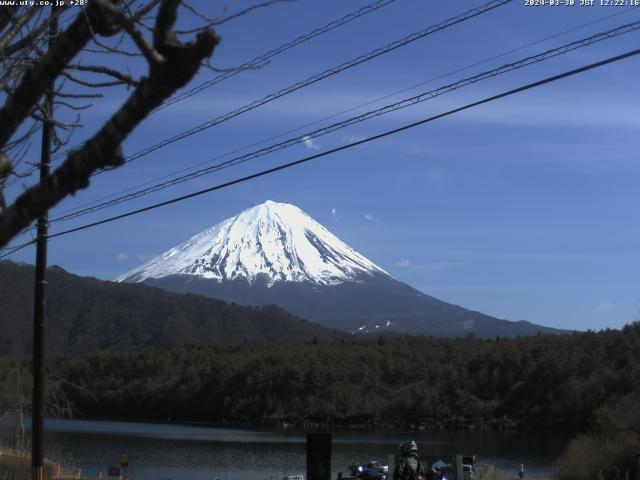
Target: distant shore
(491, 472)
(381, 425)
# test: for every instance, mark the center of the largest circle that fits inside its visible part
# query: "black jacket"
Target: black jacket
(408, 467)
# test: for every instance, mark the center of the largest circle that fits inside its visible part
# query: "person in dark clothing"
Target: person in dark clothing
(409, 467)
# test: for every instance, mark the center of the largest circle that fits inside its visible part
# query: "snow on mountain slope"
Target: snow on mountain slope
(276, 240)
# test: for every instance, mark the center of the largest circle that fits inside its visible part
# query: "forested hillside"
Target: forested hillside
(538, 381)
(85, 315)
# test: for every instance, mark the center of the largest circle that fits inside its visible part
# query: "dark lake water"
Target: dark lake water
(170, 451)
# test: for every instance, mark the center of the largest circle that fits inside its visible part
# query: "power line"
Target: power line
(359, 142)
(310, 80)
(320, 76)
(335, 115)
(530, 60)
(327, 73)
(16, 248)
(262, 59)
(257, 62)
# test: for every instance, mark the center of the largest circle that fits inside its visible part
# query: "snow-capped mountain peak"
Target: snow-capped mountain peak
(274, 241)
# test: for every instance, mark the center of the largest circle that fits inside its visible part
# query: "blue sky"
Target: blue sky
(525, 208)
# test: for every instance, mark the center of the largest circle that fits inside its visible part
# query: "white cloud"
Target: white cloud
(372, 219)
(334, 213)
(564, 107)
(569, 109)
(122, 257)
(404, 263)
(310, 143)
(141, 257)
(354, 138)
(348, 138)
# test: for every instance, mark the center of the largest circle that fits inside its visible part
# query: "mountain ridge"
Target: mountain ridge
(274, 253)
(86, 314)
(274, 239)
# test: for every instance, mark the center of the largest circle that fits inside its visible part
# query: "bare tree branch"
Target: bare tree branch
(61, 142)
(78, 95)
(30, 38)
(139, 14)
(6, 15)
(105, 71)
(110, 50)
(247, 10)
(179, 64)
(35, 81)
(106, 48)
(5, 166)
(20, 153)
(71, 106)
(129, 25)
(11, 33)
(86, 83)
(44, 118)
(35, 126)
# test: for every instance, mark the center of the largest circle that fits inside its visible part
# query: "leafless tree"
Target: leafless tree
(15, 403)
(142, 34)
(14, 399)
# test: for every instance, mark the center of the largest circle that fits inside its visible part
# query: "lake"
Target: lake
(174, 451)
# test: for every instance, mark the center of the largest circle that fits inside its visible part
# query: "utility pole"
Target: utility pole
(37, 416)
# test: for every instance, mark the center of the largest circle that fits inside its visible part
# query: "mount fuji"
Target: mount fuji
(274, 253)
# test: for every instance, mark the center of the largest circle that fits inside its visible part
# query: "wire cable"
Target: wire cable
(387, 133)
(320, 76)
(263, 59)
(16, 248)
(527, 61)
(310, 80)
(351, 109)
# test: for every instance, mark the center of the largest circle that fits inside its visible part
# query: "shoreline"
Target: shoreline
(503, 467)
(13, 465)
(287, 425)
(491, 472)
(303, 426)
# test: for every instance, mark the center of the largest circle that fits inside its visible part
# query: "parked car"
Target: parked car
(374, 470)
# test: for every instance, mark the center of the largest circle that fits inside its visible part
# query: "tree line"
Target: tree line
(539, 381)
(584, 381)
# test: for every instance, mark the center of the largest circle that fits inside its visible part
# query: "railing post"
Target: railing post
(318, 456)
